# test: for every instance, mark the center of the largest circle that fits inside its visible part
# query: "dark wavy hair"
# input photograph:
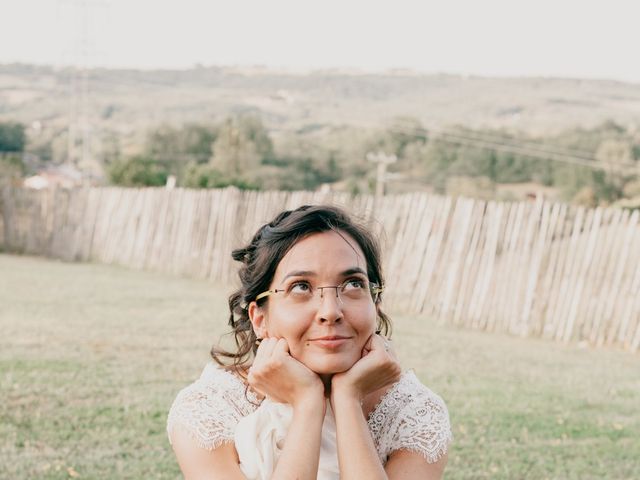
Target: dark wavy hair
(263, 254)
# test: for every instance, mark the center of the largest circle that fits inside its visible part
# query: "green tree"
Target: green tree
(202, 176)
(175, 148)
(12, 137)
(181, 145)
(615, 152)
(11, 166)
(394, 139)
(241, 146)
(138, 171)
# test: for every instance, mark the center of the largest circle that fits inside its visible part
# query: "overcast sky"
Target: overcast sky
(559, 38)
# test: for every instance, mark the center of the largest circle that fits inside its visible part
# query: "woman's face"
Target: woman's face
(326, 333)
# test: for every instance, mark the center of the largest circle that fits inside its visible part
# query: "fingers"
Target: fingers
(263, 354)
(270, 349)
(262, 360)
(367, 346)
(378, 342)
(277, 375)
(268, 345)
(281, 347)
(377, 368)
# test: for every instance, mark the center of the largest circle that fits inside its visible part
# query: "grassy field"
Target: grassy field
(91, 357)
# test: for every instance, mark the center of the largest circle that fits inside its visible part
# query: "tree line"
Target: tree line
(242, 152)
(13, 140)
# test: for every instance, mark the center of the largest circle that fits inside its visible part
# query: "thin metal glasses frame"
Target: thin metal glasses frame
(374, 288)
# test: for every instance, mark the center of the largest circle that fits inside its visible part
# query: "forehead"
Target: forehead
(323, 253)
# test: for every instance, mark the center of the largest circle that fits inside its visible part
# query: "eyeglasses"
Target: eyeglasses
(353, 290)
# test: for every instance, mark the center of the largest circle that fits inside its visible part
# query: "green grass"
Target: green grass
(91, 357)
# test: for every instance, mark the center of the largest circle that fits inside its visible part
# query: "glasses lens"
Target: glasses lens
(299, 293)
(353, 290)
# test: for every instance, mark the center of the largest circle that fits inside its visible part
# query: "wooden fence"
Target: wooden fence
(528, 268)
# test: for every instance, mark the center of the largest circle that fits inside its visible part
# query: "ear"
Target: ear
(258, 317)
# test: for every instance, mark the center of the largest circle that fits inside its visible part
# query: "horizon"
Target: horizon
(302, 71)
(495, 39)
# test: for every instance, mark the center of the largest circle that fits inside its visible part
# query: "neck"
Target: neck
(326, 380)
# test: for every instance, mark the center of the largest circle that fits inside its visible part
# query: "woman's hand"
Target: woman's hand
(377, 368)
(282, 378)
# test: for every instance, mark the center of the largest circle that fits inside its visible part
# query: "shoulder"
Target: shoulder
(419, 401)
(210, 408)
(410, 416)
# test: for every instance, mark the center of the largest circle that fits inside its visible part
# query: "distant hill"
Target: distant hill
(316, 128)
(128, 101)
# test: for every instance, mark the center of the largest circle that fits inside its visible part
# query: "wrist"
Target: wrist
(311, 401)
(344, 402)
(345, 393)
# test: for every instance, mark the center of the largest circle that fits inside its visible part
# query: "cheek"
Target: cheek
(370, 324)
(287, 324)
(368, 319)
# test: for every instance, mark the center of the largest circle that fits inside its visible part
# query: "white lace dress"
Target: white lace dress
(218, 409)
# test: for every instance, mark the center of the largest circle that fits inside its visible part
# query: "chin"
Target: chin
(330, 366)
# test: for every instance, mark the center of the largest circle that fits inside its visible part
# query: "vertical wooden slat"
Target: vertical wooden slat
(579, 273)
(558, 315)
(550, 271)
(616, 293)
(540, 269)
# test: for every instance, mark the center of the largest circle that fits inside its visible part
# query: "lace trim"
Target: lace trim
(210, 408)
(409, 416)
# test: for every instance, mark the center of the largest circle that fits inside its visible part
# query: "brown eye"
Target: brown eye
(354, 284)
(298, 288)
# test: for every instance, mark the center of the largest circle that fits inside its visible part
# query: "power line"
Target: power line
(482, 140)
(524, 143)
(526, 150)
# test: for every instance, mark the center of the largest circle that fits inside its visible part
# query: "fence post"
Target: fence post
(6, 209)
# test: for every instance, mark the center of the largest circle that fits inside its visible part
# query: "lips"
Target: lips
(330, 337)
(330, 342)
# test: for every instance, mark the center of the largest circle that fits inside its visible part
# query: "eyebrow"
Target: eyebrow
(309, 273)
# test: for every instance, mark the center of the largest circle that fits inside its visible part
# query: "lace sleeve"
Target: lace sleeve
(210, 408)
(423, 426)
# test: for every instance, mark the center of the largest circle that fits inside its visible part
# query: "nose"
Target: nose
(330, 306)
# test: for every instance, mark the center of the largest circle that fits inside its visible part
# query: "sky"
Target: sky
(550, 38)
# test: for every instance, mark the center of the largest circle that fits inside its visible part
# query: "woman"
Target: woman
(314, 390)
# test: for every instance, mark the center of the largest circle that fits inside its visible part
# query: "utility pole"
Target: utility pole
(81, 15)
(382, 160)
